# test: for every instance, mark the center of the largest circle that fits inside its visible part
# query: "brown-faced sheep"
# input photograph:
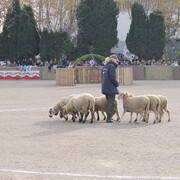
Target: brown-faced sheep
(101, 105)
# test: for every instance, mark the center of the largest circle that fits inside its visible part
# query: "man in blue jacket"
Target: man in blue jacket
(110, 84)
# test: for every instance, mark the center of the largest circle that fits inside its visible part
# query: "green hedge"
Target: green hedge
(85, 57)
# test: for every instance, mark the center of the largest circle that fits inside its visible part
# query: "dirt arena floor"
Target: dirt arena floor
(36, 147)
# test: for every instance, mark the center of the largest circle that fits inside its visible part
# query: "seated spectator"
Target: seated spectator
(8, 63)
(148, 63)
(23, 65)
(86, 63)
(38, 63)
(29, 65)
(46, 64)
(55, 61)
(91, 62)
(13, 64)
(54, 67)
(143, 62)
(138, 63)
(41, 64)
(153, 62)
(18, 63)
(79, 64)
(50, 65)
(59, 64)
(159, 63)
(95, 64)
(71, 64)
(175, 63)
(168, 63)
(64, 63)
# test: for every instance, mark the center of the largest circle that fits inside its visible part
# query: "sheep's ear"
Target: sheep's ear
(131, 95)
(120, 96)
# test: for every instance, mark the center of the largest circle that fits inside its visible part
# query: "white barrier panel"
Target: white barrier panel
(19, 75)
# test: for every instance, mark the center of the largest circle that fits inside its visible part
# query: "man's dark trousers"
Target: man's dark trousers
(110, 105)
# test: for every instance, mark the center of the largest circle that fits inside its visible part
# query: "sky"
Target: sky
(123, 25)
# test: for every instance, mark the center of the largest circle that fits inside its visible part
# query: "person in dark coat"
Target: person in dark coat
(110, 84)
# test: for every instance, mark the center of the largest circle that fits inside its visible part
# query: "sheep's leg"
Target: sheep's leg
(118, 117)
(74, 118)
(86, 115)
(161, 114)
(97, 115)
(141, 116)
(155, 116)
(146, 117)
(130, 118)
(122, 116)
(92, 116)
(66, 117)
(84, 120)
(168, 115)
(78, 116)
(104, 116)
(81, 117)
(166, 109)
(136, 118)
(74, 115)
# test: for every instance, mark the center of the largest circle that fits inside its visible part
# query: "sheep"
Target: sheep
(135, 104)
(154, 106)
(58, 107)
(82, 104)
(163, 107)
(101, 105)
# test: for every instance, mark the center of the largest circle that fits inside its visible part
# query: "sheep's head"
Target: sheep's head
(52, 112)
(126, 94)
(121, 94)
(63, 115)
(64, 111)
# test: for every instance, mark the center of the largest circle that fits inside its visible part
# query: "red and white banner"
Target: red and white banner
(19, 75)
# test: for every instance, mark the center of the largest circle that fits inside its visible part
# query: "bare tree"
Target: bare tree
(4, 5)
(51, 14)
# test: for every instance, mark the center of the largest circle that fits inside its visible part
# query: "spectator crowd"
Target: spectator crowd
(26, 64)
(137, 62)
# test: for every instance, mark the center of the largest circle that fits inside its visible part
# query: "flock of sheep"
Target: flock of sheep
(80, 105)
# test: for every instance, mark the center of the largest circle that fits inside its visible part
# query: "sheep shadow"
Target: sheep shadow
(60, 126)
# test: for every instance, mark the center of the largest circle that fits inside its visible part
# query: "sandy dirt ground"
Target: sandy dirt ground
(36, 147)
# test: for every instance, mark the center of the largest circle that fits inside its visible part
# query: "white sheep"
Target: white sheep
(154, 106)
(101, 105)
(82, 104)
(58, 107)
(163, 107)
(135, 104)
